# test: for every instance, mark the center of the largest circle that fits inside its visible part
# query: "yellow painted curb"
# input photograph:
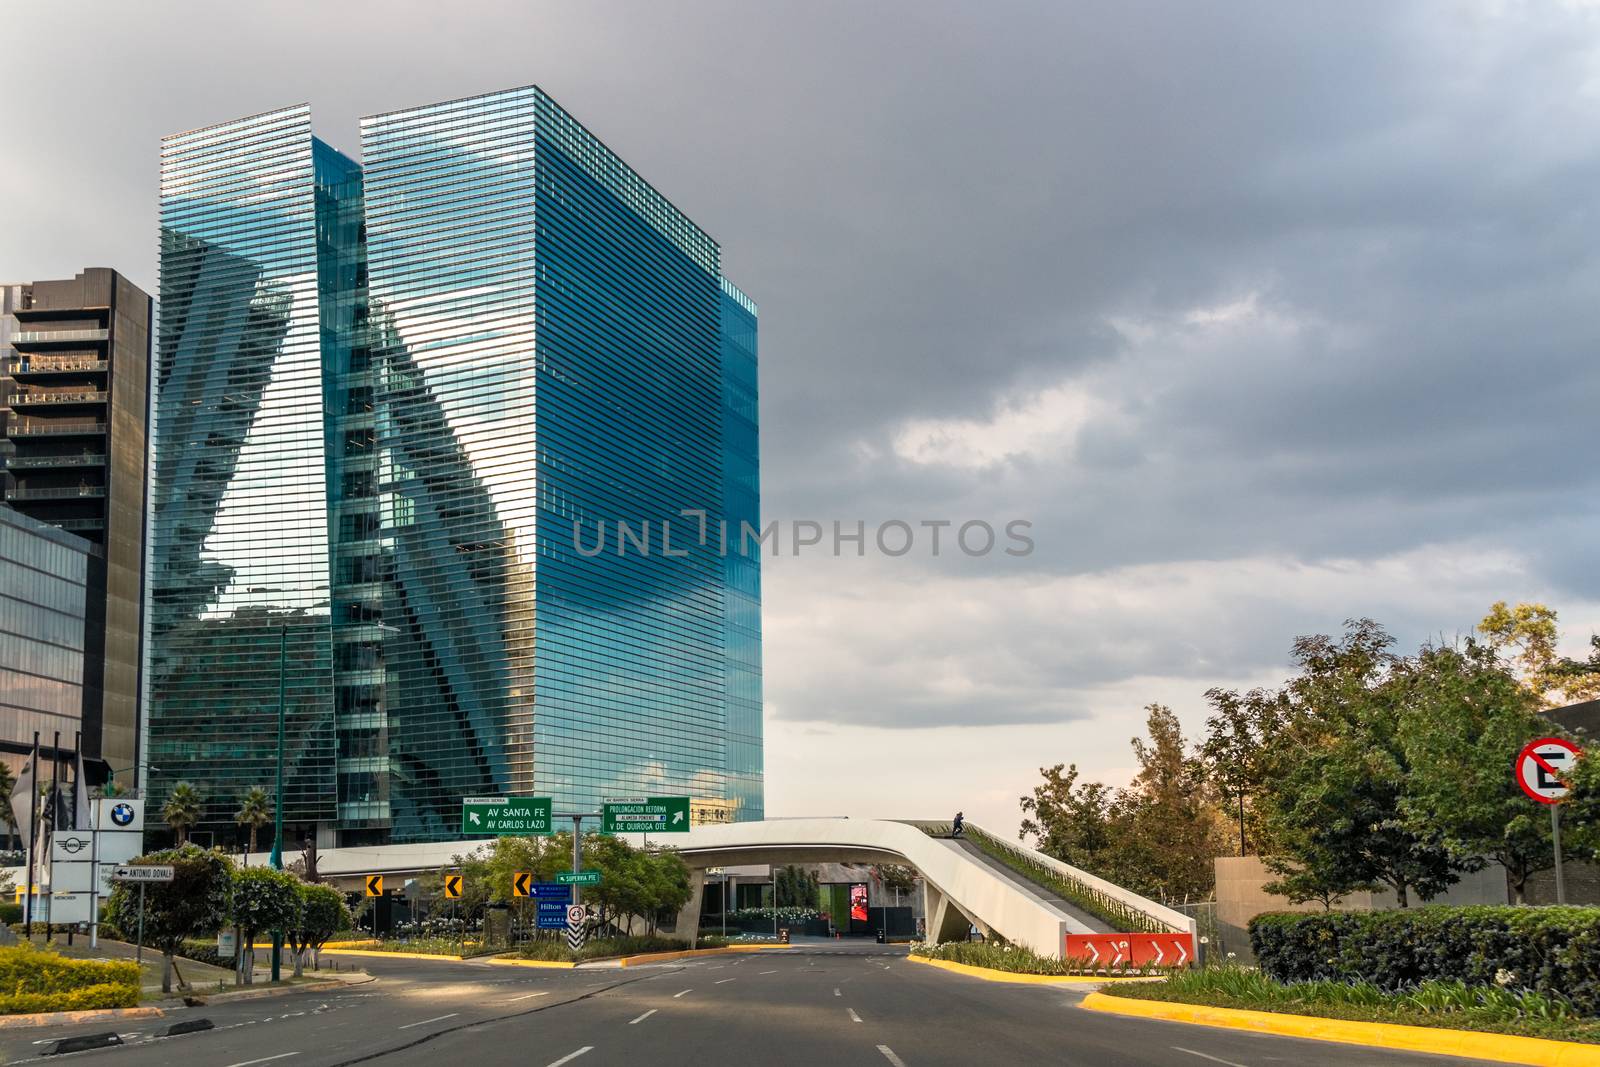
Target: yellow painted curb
(507, 961)
(88, 1015)
(989, 974)
(1499, 1048)
(389, 955)
(660, 957)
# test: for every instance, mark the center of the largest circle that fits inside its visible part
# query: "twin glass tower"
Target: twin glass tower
(394, 401)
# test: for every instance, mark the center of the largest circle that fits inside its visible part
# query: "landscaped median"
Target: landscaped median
(1499, 1042)
(34, 980)
(1511, 985)
(428, 949)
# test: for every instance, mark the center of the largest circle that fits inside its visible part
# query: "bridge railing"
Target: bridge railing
(1122, 908)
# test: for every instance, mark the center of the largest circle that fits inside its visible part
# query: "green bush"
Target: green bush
(33, 979)
(600, 948)
(205, 952)
(10, 913)
(1553, 951)
(106, 995)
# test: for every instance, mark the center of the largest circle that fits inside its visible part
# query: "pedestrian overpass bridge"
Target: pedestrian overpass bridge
(981, 879)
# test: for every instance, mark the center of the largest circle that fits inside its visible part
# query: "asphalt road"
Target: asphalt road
(831, 1004)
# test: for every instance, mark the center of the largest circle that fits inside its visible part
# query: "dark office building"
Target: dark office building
(74, 388)
(44, 574)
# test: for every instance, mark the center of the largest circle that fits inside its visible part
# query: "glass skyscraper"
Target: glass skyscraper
(396, 403)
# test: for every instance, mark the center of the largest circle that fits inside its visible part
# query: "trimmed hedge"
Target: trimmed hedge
(1555, 951)
(39, 980)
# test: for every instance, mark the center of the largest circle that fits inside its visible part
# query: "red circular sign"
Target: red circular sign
(1544, 767)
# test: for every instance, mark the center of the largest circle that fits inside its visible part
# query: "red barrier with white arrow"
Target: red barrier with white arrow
(1114, 951)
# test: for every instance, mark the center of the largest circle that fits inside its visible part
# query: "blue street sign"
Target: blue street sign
(551, 891)
(553, 913)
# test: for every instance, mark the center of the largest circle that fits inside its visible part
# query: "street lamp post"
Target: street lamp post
(277, 806)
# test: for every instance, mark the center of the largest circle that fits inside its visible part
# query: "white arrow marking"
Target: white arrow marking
(473, 816)
(1095, 958)
(1183, 953)
(1158, 953)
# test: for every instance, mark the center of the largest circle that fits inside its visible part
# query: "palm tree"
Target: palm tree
(8, 782)
(182, 810)
(255, 812)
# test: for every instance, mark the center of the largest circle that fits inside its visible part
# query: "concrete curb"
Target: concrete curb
(662, 957)
(67, 1018)
(989, 974)
(392, 955)
(247, 993)
(506, 961)
(1470, 1044)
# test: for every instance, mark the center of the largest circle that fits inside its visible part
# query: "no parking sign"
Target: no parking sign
(1543, 767)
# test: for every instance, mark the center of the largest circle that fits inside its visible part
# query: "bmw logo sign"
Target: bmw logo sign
(122, 814)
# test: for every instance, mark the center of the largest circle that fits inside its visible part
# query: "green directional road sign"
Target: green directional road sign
(581, 878)
(511, 816)
(650, 815)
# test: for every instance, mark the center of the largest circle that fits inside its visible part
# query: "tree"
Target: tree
(1527, 635)
(1464, 717)
(1070, 820)
(8, 815)
(263, 899)
(182, 810)
(322, 914)
(195, 903)
(796, 887)
(1234, 755)
(1169, 828)
(896, 876)
(1341, 771)
(255, 811)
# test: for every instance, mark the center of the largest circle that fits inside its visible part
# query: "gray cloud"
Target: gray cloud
(945, 211)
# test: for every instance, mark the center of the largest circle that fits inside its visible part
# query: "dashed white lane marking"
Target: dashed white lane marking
(529, 996)
(265, 1059)
(853, 1016)
(643, 1017)
(1206, 1056)
(836, 991)
(769, 972)
(724, 981)
(425, 1022)
(675, 996)
(888, 1054)
(569, 1057)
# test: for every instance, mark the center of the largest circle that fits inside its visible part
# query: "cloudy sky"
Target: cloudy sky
(1264, 315)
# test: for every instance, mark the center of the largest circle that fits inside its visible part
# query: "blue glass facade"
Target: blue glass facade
(490, 333)
(239, 541)
(741, 496)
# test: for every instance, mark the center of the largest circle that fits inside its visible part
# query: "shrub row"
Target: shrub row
(1555, 951)
(34, 979)
(24, 969)
(1118, 915)
(106, 995)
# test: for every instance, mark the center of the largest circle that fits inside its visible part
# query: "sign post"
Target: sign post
(506, 816)
(144, 874)
(1539, 769)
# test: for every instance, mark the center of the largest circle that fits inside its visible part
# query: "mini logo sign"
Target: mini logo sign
(122, 814)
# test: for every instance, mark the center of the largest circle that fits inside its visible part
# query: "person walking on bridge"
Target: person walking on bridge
(957, 825)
